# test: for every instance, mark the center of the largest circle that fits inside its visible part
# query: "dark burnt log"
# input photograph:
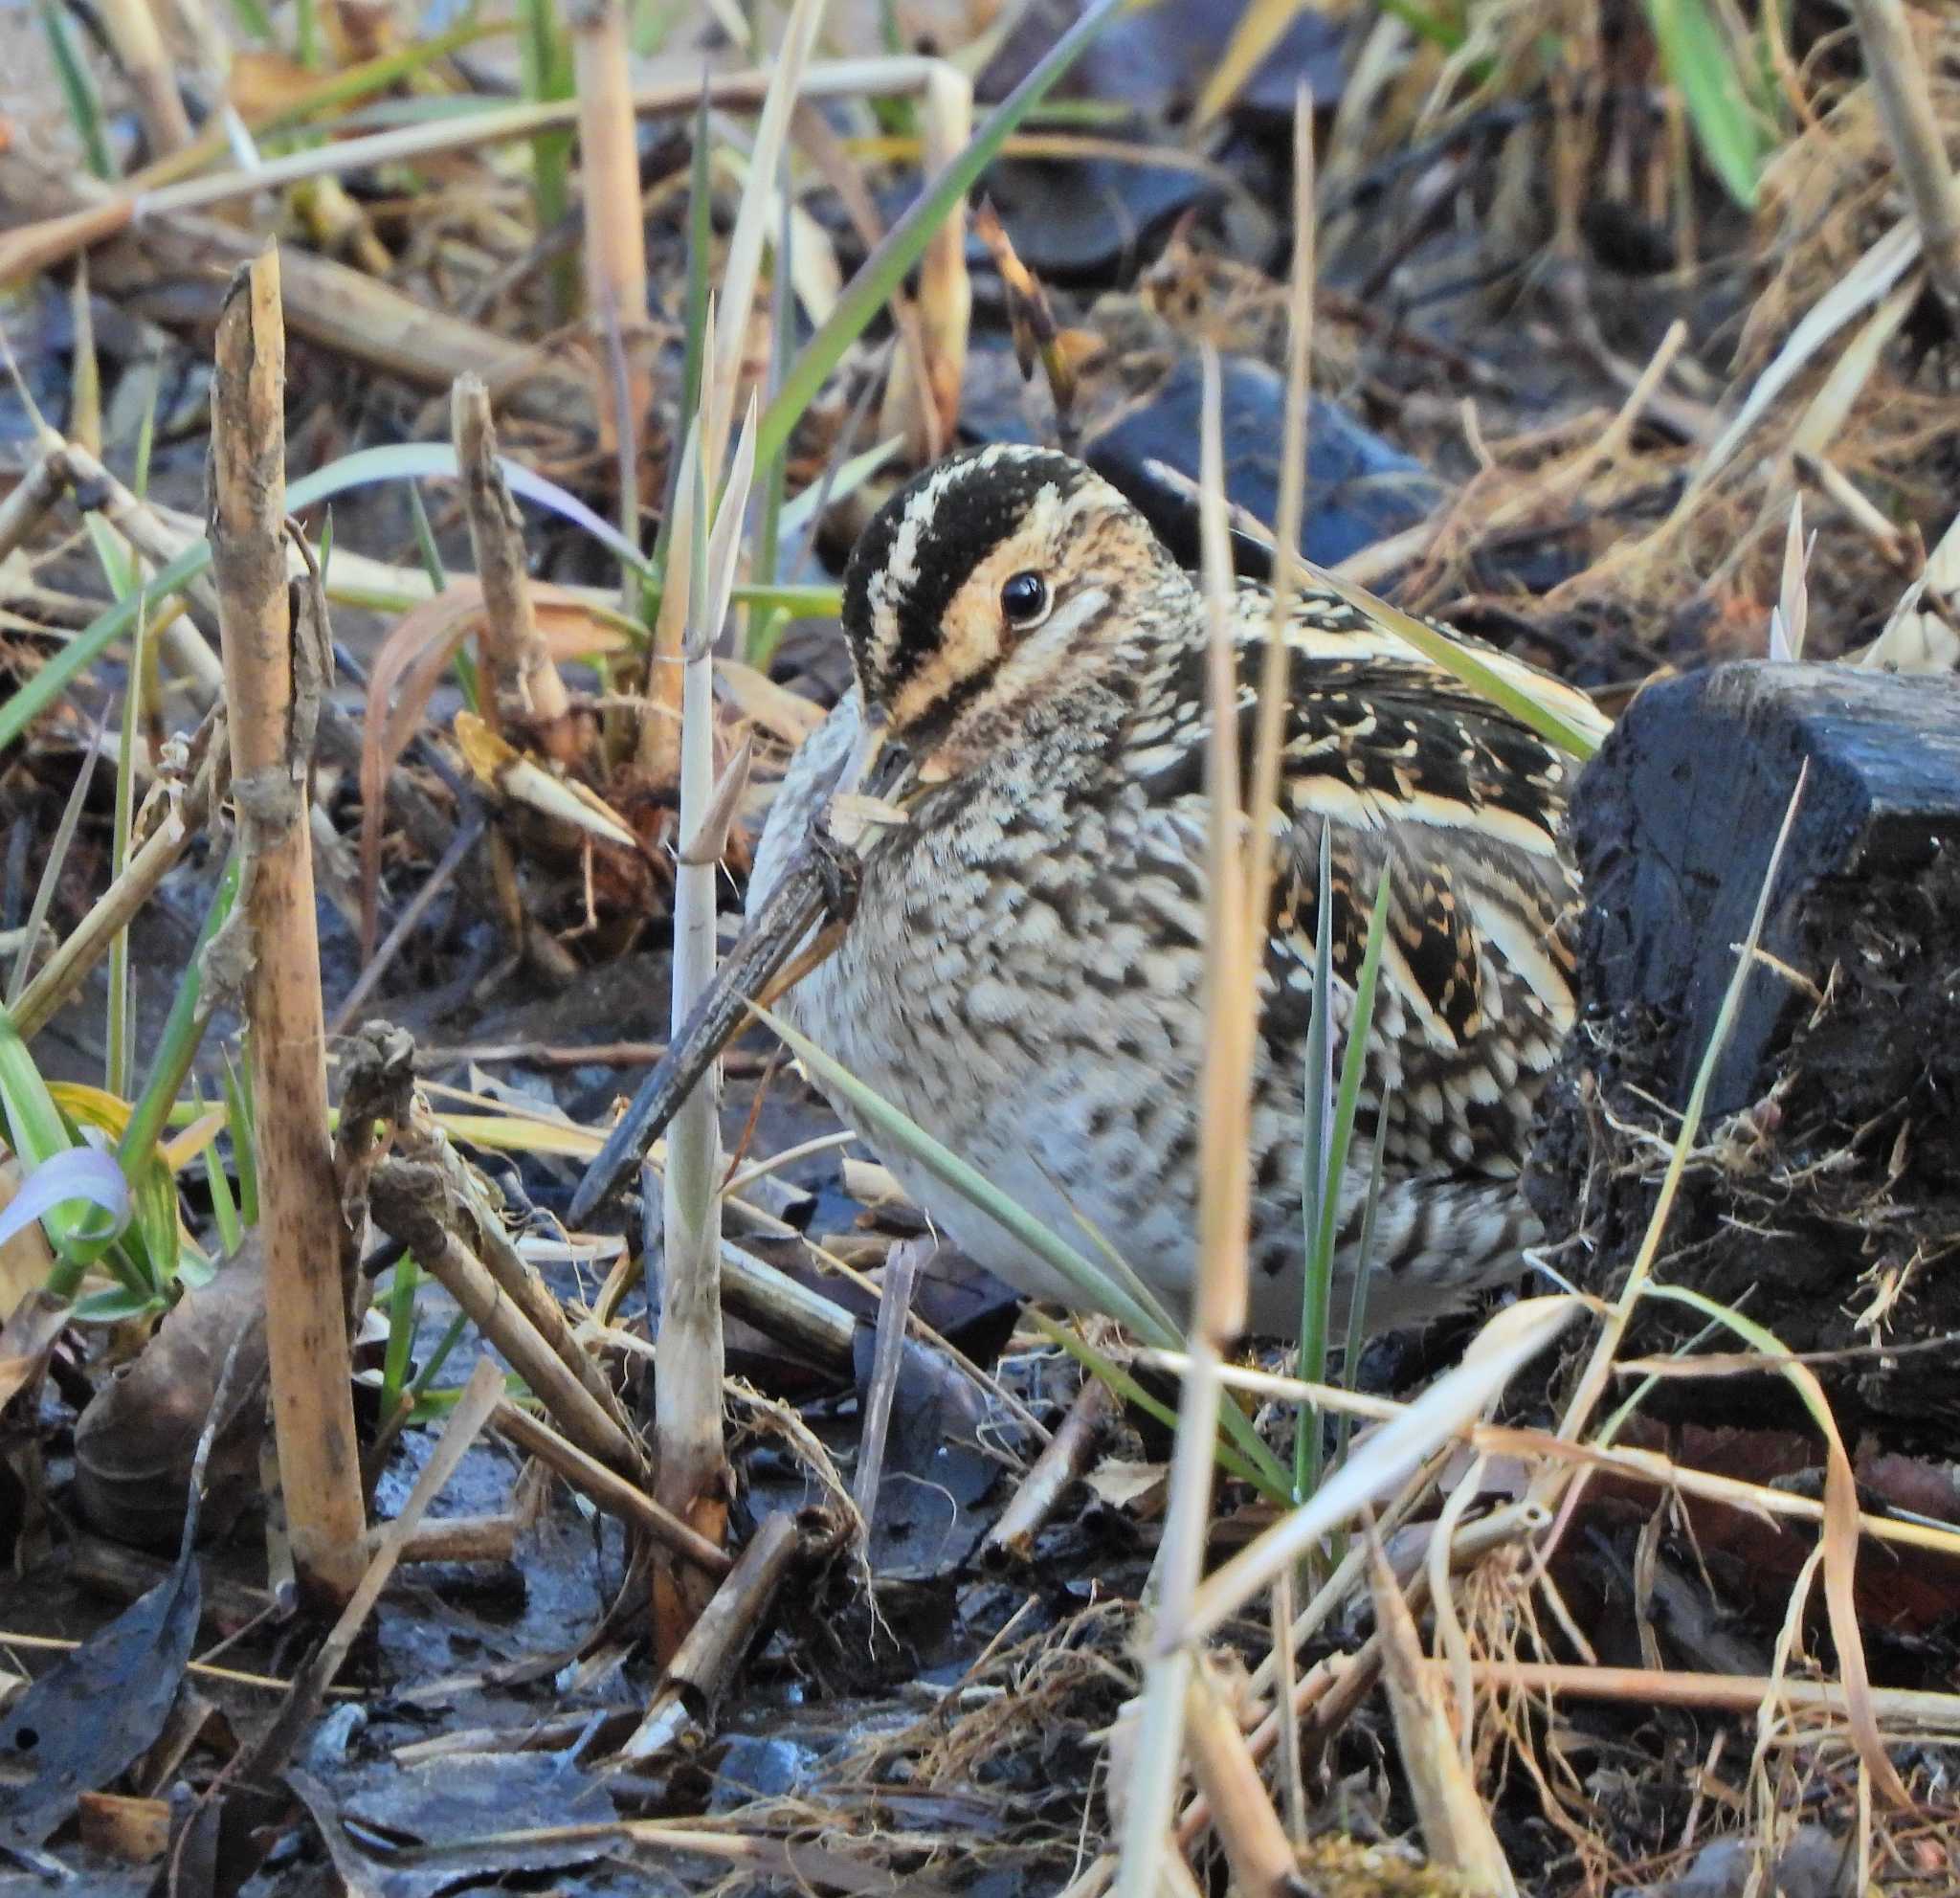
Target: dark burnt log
(1825, 1198)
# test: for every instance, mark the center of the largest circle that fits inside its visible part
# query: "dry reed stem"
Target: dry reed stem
(30, 500)
(1905, 101)
(326, 302)
(1220, 1302)
(515, 655)
(272, 671)
(158, 537)
(1066, 1459)
(88, 942)
(693, 1472)
(887, 1359)
(928, 417)
(704, 1663)
(132, 29)
(411, 1204)
(1256, 1844)
(606, 1490)
(787, 1311)
(457, 1539)
(71, 212)
(478, 1399)
(1933, 1715)
(1456, 1827)
(615, 244)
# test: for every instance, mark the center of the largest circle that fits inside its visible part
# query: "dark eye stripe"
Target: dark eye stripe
(964, 519)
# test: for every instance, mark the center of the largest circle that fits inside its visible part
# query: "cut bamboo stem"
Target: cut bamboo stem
(269, 679)
(687, 1385)
(1456, 1827)
(705, 1663)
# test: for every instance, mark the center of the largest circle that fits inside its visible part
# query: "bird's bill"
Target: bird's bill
(750, 973)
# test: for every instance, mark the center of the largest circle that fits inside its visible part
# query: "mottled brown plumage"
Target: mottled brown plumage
(1022, 975)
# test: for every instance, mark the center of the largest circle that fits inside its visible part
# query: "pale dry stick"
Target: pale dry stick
(1061, 1463)
(474, 1406)
(1820, 423)
(705, 1663)
(606, 1488)
(1330, 1691)
(1887, 540)
(926, 417)
(205, 1669)
(742, 263)
(1274, 682)
(84, 945)
(1284, 1660)
(1382, 1461)
(32, 498)
(1919, 144)
(724, 356)
(1256, 1848)
(1275, 692)
(158, 537)
(616, 245)
(132, 29)
(457, 1539)
(273, 680)
(516, 656)
(1930, 1715)
(1219, 1306)
(404, 927)
(887, 1359)
(1499, 1439)
(1456, 1827)
(408, 1199)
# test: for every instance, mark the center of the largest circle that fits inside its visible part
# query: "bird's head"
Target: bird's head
(994, 584)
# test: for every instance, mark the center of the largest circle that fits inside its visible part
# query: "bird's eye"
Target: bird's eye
(1024, 600)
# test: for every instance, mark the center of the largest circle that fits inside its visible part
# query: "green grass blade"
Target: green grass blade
(1477, 672)
(77, 89)
(1318, 1177)
(1699, 59)
(1314, 1336)
(51, 869)
(183, 1031)
(223, 1206)
(1094, 1285)
(238, 1111)
(1262, 1472)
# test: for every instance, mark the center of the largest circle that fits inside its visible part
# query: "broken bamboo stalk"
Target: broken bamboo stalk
(275, 676)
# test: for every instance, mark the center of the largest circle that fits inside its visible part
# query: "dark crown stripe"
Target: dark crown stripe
(966, 517)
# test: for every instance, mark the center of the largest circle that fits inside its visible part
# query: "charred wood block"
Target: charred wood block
(1825, 1193)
